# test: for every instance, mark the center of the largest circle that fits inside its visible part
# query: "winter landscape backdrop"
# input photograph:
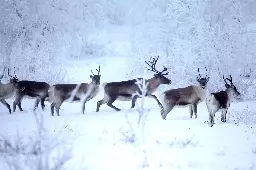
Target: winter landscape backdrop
(60, 41)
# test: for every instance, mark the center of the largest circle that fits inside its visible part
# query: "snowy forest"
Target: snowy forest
(44, 35)
(61, 41)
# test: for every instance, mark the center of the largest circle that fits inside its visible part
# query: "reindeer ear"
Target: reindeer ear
(227, 85)
(208, 78)
(91, 76)
(197, 79)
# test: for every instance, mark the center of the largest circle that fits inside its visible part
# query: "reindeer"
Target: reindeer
(83, 92)
(182, 97)
(31, 89)
(129, 90)
(8, 90)
(220, 101)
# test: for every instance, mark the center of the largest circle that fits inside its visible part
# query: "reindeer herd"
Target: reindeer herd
(128, 90)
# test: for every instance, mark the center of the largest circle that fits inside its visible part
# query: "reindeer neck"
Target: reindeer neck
(93, 85)
(153, 84)
(8, 86)
(201, 92)
(229, 91)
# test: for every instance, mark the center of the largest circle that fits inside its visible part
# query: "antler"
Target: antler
(162, 72)
(206, 72)
(3, 73)
(13, 72)
(198, 77)
(224, 79)
(92, 73)
(98, 70)
(230, 80)
(152, 65)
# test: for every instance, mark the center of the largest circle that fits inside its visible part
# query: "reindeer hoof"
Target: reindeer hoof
(163, 117)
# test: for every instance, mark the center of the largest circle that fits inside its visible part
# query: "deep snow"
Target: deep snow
(177, 143)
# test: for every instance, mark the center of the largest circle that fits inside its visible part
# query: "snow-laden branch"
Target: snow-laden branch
(138, 130)
(73, 93)
(40, 151)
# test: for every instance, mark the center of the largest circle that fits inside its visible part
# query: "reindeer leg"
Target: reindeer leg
(158, 102)
(19, 106)
(16, 102)
(166, 109)
(42, 103)
(101, 102)
(194, 107)
(36, 103)
(211, 119)
(134, 99)
(110, 103)
(83, 104)
(18, 98)
(52, 108)
(57, 108)
(6, 104)
(224, 115)
(191, 110)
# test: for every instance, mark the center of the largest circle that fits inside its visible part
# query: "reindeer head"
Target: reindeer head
(202, 80)
(231, 85)
(96, 78)
(158, 75)
(13, 79)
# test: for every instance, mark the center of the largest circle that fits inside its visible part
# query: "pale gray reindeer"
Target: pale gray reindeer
(220, 101)
(186, 96)
(129, 90)
(7, 90)
(84, 92)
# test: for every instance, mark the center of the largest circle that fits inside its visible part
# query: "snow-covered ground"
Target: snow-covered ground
(103, 140)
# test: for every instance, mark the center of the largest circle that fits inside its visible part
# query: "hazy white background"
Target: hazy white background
(60, 41)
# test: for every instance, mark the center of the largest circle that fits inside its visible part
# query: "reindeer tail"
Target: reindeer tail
(211, 100)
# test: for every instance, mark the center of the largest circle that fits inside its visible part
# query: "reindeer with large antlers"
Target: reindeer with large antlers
(83, 92)
(220, 101)
(7, 90)
(129, 90)
(186, 96)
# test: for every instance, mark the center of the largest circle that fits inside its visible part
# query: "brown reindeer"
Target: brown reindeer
(8, 90)
(31, 89)
(190, 95)
(84, 92)
(129, 90)
(220, 101)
